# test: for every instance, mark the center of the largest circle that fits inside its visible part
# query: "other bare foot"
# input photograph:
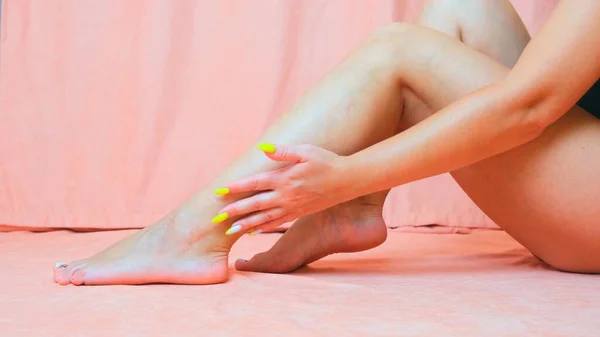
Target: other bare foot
(353, 226)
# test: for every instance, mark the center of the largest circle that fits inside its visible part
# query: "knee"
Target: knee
(447, 15)
(450, 5)
(393, 32)
(458, 7)
(391, 42)
(444, 10)
(395, 37)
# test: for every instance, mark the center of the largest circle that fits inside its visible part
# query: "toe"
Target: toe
(58, 274)
(61, 275)
(258, 263)
(268, 262)
(78, 277)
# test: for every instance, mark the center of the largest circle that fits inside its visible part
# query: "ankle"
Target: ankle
(192, 222)
(377, 198)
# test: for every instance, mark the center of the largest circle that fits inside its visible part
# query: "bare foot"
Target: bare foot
(353, 226)
(157, 254)
(163, 253)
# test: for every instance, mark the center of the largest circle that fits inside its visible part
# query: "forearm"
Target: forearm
(482, 125)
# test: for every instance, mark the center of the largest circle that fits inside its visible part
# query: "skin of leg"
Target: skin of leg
(544, 193)
(491, 27)
(355, 106)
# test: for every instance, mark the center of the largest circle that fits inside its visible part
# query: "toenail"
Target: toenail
(60, 265)
(241, 260)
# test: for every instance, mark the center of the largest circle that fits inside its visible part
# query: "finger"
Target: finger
(255, 203)
(290, 153)
(256, 219)
(256, 183)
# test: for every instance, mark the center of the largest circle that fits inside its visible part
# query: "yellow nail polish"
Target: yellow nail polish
(220, 218)
(266, 147)
(222, 191)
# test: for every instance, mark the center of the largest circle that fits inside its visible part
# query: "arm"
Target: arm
(554, 71)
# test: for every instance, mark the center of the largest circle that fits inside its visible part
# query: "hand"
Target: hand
(313, 181)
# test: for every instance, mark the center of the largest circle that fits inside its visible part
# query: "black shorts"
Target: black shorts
(590, 102)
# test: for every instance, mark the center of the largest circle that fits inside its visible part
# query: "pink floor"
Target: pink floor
(480, 284)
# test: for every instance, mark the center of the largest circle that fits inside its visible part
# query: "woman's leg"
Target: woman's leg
(491, 27)
(545, 193)
(185, 248)
(355, 106)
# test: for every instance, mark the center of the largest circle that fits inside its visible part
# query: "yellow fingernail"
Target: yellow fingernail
(222, 191)
(220, 218)
(266, 147)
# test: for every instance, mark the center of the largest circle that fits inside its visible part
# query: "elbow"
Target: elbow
(533, 111)
(531, 124)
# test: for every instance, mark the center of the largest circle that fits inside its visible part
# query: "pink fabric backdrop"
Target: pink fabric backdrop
(113, 112)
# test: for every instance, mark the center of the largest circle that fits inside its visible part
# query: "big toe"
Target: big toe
(270, 262)
(59, 273)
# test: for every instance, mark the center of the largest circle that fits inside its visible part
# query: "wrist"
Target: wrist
(350, 180)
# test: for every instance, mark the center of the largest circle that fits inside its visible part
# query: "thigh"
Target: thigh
(545, 193)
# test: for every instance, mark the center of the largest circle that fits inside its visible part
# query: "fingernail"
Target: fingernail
(233, 230)
(222, 191)
(220, 218)
(252, 233)
(266, 147)
(241, 260)
(60, 265)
